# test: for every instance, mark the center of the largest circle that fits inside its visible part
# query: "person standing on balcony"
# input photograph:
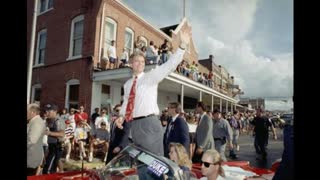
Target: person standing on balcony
(112, 53)
(140, 106)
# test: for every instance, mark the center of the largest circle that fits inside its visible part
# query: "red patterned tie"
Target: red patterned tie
(130, 105)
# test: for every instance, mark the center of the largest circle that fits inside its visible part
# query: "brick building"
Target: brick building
(70, 42)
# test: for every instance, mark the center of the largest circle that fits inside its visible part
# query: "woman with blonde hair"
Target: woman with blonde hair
(211, 165)
(212, 168)
(179, 155)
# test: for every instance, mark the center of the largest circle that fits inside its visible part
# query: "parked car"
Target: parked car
(136, 163)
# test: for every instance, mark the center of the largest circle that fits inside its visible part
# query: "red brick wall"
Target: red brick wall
(57, 71)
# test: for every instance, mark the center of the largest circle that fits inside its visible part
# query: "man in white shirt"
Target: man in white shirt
(35, 132)
(112, 55)
(141, 108)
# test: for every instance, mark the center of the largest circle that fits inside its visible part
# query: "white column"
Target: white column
(182, 95)
(227, 106)
(31, 53)
(212, 102)
(96, 95)
(200, 99)
(220, 105)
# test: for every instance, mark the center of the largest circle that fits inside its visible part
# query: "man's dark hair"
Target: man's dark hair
(202, 105)
(235, 112)
(216, 111)
(176, 105)
(116, 106)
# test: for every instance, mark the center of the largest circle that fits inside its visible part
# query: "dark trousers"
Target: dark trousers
(147, 133)
(260, 144)
(31, 171)
(196, 157)
(52, 160)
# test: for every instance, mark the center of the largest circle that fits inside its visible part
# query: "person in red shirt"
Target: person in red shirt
(81, 115)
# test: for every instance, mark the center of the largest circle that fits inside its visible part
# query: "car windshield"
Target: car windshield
(134, 163)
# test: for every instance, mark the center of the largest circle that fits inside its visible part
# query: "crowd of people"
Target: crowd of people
(197, 137)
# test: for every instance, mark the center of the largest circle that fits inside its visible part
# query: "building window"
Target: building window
(128, 40)
(110, 34)
(144, 41)
(76, 37)
(41, 47)
(36, 93)
(72, 94)
(45, 5)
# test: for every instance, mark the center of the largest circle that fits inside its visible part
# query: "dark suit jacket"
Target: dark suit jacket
(179, 134)
(118, 138)
(204, 138)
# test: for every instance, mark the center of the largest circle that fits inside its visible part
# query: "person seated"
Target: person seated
(180, 156)
(69, 132)
(100, 138)
(212, 168)
(80, 137)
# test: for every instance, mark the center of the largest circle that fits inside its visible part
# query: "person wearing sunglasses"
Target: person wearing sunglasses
(211, 165)
(212, 168)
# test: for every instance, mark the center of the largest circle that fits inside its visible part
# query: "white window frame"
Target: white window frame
(127, 29)
(33, 91)
(75, 20)
(145, 40)
(36, 63)
(68, 84)
(107, 42)
(46, 9)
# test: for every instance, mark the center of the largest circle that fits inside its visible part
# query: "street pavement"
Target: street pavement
(247, 150)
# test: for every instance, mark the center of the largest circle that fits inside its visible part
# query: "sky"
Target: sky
(252, 39)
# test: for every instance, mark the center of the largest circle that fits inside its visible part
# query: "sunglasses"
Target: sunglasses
(207, 164)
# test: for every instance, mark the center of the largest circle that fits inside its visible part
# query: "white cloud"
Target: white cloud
(232, 20)
(257, 76)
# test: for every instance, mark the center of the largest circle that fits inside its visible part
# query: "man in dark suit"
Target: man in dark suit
(177, 130)
(204, 138)
(118, 137)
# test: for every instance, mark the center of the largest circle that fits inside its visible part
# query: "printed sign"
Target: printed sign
(157, 167)
(133, 153)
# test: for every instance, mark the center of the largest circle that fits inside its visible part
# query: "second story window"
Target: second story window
(128, 40)
(76, 37)
(41, 47)
(110, 34)
(45, 5)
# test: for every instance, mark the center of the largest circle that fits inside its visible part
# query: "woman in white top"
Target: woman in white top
(192, 125)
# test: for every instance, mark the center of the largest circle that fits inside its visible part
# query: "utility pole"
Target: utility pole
(31, 53)
(184, 9)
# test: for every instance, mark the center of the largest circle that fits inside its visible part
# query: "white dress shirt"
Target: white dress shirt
(146, 99)
(112, 51)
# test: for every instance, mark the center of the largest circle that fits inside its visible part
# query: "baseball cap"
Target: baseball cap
(52, 107)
